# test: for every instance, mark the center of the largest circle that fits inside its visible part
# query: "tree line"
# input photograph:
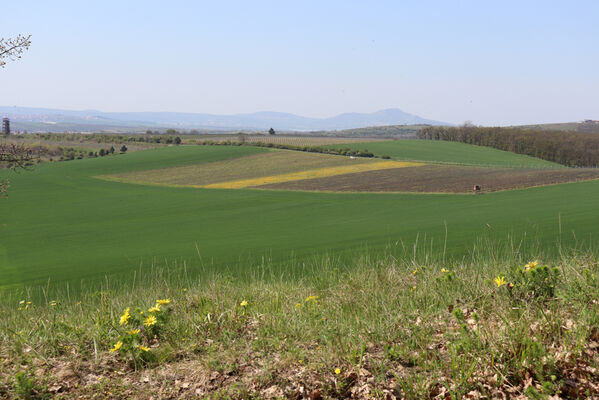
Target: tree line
(107, 138)
(573, 149)
(310, 149)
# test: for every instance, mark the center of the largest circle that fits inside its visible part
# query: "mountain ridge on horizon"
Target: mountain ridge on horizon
(257, 121)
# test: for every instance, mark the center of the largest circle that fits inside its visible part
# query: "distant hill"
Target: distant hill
(45, 119)
(588, 126)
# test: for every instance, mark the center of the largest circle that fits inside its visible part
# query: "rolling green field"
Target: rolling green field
(60, 222)
(448, 152)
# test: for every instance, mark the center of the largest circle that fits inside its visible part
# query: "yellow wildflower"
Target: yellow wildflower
(125, 317)
(117, 346)
(337, 371)
(154, 309)
(311, 298)
(443, 270)
(133, 332)
(52, 303)
(243, 303)
(413, 288)
(298, 305)
(163, 301)
(22, 302)
(151, 320)
(143, 348)
(415, 271)
(500, 281)
(531, 265)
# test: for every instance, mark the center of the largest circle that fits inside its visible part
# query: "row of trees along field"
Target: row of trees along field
(573, 149)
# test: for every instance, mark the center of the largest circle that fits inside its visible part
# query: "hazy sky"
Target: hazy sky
(492, 62)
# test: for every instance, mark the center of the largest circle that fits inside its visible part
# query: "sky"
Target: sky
(489, 62)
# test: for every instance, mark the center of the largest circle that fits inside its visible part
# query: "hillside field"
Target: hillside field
(62, 223)
(448, 153)
(120, 279)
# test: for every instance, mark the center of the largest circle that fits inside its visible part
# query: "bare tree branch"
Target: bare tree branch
(13, 156)
(12, 48)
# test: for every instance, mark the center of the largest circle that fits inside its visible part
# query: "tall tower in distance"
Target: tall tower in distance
(5, 126)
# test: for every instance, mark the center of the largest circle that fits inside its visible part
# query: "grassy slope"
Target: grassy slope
(448, 152)
(380, 328)
(59, 222)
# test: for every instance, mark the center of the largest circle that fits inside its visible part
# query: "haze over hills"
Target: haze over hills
(45, 119)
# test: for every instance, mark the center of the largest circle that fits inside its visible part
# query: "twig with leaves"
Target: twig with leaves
(12, 48)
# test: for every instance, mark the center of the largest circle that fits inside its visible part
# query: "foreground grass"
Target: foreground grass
(380, 328)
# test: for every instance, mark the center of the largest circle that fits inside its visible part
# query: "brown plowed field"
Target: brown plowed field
(436, 178)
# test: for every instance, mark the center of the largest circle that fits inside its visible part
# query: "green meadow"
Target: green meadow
(439, 151)
(114, 290)
(60, 223)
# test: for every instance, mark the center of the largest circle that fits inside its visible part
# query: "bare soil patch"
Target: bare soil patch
(436, 178)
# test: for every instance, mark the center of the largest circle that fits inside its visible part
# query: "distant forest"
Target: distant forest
(573, 149)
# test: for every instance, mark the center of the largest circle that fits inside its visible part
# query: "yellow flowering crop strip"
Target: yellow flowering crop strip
(311, 174)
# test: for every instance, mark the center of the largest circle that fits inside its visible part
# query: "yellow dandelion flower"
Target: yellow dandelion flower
(133, 332)
(143, 348)
(337, 371)
(311, 298)
(117, 346)
(415, 271)
(125, 317)
(154, 309)
(500, 281)
(243, 303)
(443, 270)
(151, 320)
(163, 301)
(531, 265)
(298, 305)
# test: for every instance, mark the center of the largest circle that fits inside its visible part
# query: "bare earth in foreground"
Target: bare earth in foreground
(436, 178)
